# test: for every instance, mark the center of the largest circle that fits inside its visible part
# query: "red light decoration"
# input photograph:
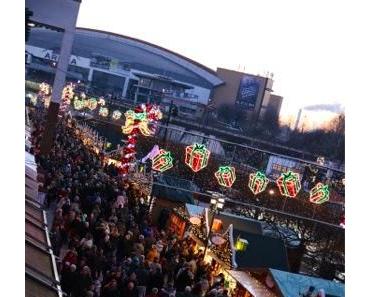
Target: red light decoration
(162, 161)
(196, 156)
(257, 182)
(289, 184)
(141, 120)
(319, 194)
(225, 176)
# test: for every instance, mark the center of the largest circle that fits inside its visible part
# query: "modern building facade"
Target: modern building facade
(124, 67)
(250, 93)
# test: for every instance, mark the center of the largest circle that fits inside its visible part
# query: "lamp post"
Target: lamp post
(217, 204)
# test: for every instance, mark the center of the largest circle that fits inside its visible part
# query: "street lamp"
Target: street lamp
(217, 204)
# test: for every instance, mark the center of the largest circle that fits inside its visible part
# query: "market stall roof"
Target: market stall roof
(292, 284)
(252, 285)
(177, 195)
(262, 252)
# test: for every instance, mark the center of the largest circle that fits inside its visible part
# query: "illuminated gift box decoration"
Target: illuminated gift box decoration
(103, 111)
(319, 194)
(289, 184)
(196, 156)
(91, 103)
(257, 182)
(163, 161)
(116, 115)
(225, 176)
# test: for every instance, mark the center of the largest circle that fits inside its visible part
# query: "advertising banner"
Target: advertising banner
(248, 92)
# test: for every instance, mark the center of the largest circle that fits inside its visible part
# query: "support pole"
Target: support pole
(59, 81)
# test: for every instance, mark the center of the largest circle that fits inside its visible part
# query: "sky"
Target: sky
(302, 43)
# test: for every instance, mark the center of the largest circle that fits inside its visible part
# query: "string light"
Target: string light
(196, 156)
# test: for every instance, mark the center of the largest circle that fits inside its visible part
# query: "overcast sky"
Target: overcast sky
(307, 46)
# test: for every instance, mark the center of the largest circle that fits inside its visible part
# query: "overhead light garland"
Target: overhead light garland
(319, 194)
(257, 182)
(289, 184)
(225, 176)
(162, 161)
(196, 156)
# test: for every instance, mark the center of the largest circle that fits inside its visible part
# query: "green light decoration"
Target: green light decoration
(196, 156)
(289, 184)
(103, 111)
(319, 194)
(162, 161)
(225, 176)
(257, 182)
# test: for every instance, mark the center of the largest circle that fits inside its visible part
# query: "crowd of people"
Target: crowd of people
(102, 231)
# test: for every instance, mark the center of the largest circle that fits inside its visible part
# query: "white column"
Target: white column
(60, 75)
(125, 86)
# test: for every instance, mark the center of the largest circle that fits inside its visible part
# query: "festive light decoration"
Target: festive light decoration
(225, 176)
(101, 101)
(319, 194)
(67, 96)
(78, 104)
(257, 182)
(116, 115)
(163, 161)
(103, 111)
(289, 184)
(91, 103)
(141, 120)
(196, 156)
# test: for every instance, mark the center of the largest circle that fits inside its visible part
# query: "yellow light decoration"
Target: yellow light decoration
(116, 115)
(78, 104)
(241, 244)
(217, 225)
(195, 221)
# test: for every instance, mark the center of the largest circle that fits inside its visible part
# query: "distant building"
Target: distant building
(251, 93)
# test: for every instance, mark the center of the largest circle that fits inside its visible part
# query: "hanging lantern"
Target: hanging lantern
(241, 244)
(78, 104)
(319, 194)
(225, 176)
(257, 182)
(289, 184)
(196, 156)
(116, 115)
(163, 161)
(103, 111)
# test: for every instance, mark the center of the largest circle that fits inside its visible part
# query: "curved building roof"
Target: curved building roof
(141, 55)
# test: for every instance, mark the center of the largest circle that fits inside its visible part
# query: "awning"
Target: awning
(251, 284)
